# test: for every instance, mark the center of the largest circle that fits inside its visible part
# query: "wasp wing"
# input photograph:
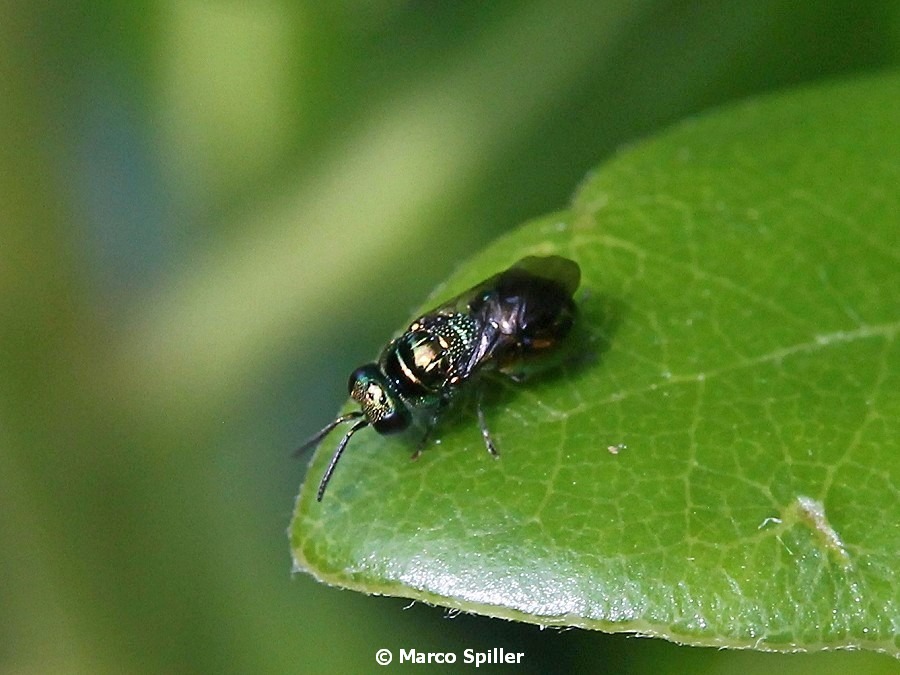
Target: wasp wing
(553, 268)
(556, 269)
(520, 312)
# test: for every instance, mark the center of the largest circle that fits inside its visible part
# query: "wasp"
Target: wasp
(502, 325)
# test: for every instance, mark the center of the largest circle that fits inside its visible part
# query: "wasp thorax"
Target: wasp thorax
(379, 403)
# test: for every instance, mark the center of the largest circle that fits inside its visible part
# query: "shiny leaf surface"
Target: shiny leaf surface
(721, 467)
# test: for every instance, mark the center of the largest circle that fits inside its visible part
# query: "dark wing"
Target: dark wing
(554, 268)
(521, 312)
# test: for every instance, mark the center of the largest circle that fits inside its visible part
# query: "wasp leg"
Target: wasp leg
(485, 432)
(425, 437)
(421, 446)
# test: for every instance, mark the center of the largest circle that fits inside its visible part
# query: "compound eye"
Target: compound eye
(375, 395)
(361, 380)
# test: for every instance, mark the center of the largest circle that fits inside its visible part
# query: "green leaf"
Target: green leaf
(722, 468)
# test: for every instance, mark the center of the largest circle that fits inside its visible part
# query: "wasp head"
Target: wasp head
(383, 408)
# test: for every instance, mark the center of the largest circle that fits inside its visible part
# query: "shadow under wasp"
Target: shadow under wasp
(504, 324)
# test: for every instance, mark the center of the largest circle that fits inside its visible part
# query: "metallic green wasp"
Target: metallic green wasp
(501, 325)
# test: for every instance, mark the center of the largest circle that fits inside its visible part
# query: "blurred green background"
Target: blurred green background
(212, 211)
